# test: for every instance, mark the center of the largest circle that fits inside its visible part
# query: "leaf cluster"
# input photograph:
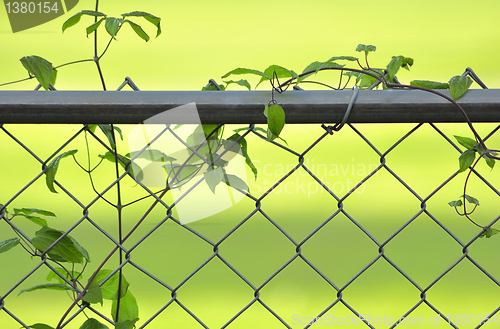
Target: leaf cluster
(467, 158)
(114, 24)
(60, 248)
(207, 141)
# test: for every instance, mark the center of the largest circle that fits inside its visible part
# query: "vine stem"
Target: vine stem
(79, 297)
(465, 189)
(322, 84)
(119, 208)
(109, 43)
(96, 58)
(100, 75)
(75, 62)
(21, 237)
(366, 60)
(402, 86)
(122, 240)
(396, 86)
(17, 81)
(89, 171)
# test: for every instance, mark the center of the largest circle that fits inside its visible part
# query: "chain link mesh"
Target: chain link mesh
(272, 252)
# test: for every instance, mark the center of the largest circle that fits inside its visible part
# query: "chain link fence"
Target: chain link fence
(338, 228)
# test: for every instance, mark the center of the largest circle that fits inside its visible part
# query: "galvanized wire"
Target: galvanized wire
(216, 246)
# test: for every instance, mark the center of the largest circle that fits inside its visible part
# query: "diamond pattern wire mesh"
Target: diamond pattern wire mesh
(334, 292)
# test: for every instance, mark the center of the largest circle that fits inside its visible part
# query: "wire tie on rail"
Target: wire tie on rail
(339, 126)
(212, 82)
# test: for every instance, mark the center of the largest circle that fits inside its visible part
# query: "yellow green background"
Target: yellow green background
(205, 39)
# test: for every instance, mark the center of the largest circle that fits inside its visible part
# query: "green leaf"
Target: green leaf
(459, 85)
(231, 146)
(365, 48)
(8, 244)
(466, 159)
(40, 326)
(66, 250)
(244, 152)
(48, 286)
(394, 65)
(35, 219)
(93, 294)
(52, 169)
(129, 311)
(208, 129)
(186, 172)
(489, 233)
(367, 81)
(150, 18)
(6, 212)
(342, 58)
(466, 142)
(489, 161)
(93, 27)
(129, 324)
(429, 84)
(53, 275)
(213, 177)
(407, 62)
(270, 135)
(242, 82)
(281, 72)
(456, 203)
(357, 75)
(246, 71)
(236, 182)
(82, 250)
(110, 288)
(316, 66)
(135, 169)
(274, 136)
(76, 18)
(266, 110)
(40, 68)
(29, 211)
(330, 64)
(92, 128)
(275, 119)
(151, 155)
(106, 129)
(471, 199)
(479, 148)
(93, 324)
(138, 30)
(26, 212)
(111, 157)
(54, 77)
(219, 162)
(113, 25)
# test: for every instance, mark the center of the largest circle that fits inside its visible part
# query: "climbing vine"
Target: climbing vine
(367, 77)
(61, 252)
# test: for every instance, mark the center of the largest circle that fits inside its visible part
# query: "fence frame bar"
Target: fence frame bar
(245, 107)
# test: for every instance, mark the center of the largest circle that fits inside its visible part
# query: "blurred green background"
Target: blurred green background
(203, 40)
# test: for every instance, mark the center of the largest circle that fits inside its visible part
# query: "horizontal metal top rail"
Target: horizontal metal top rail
(244, 107)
